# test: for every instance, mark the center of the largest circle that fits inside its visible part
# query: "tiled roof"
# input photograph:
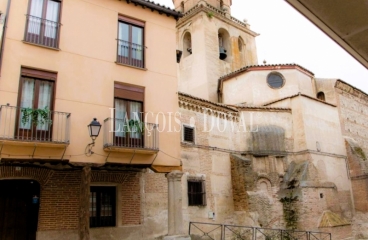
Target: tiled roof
(207, 101)
(156, 6)
(234, 108)
(298, 94)
(265, 67)
(263, 108)
(352, 88)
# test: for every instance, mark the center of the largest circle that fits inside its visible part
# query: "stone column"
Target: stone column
(175, 212)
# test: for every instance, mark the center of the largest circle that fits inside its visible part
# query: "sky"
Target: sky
(288, 37)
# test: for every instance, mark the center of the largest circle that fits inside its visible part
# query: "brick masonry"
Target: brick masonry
(131, 199)
(60, 190)
(59, 202)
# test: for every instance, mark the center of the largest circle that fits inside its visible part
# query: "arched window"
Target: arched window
(321, 96)
(187, 44)
(240, 44)
(224, 44)
(182, 6)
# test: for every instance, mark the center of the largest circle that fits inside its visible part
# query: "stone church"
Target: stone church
(265, 145)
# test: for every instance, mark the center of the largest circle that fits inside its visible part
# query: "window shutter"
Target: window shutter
(130, 20)
(130, 92)
(29, 72)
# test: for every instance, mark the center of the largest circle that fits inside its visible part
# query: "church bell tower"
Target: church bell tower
(213, 44)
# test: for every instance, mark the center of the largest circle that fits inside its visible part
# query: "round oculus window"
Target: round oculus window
(275, 80)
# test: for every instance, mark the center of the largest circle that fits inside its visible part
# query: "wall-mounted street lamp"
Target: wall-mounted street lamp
(94, 130)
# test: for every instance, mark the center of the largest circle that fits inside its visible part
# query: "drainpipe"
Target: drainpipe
(4, 34)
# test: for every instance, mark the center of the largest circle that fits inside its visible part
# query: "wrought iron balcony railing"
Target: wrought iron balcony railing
(34, 125)
(121, 133)
(42, 32)
(130, 54)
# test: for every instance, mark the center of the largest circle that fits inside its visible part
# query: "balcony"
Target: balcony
(120, 136)
(42, 32)
(25, 126)
(130, 54)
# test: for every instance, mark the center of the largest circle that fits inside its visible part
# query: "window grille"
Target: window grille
(188, 134)
(196, 192)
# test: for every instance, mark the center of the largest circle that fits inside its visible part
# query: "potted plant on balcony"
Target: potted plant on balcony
(37, 116)
(134, 126)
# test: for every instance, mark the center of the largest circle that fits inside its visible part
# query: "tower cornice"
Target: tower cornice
(221, 15)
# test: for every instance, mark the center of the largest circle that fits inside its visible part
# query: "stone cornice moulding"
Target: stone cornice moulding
(298, 95)
(174, 175)
(231, 113)
(349, 89)
(212, 109)
(200, 7)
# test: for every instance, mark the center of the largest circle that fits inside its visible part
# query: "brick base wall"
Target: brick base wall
(131, 200)
(59, 202)
(360, 193)
(60, 193)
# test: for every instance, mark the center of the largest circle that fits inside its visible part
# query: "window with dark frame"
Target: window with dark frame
(275, 80)
(43, 23)
(196, 192)
(36, 91)
(188, 134)
(130, 42)
(128, 104)
(102, 210)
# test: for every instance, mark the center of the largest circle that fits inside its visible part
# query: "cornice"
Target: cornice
(298, 95)
(221, 15)
(267, 67)
(192, 103)
(349, 89)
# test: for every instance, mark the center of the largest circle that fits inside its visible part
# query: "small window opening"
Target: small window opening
(196, 192)
(187, 44)
(182, 6)
(224, 44)
(188, 134)
(321, 195)
(321, 96)
(275, 80)
(240, 44)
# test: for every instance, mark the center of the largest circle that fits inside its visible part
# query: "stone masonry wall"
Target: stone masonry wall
(155, 203)
(353, 110)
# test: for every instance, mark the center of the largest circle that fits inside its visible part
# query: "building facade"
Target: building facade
(212, 137)
(273, 146)
(65, 63)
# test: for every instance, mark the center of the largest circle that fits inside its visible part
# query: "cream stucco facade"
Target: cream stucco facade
(76, 60)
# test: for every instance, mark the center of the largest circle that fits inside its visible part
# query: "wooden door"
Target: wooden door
(19, 209)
